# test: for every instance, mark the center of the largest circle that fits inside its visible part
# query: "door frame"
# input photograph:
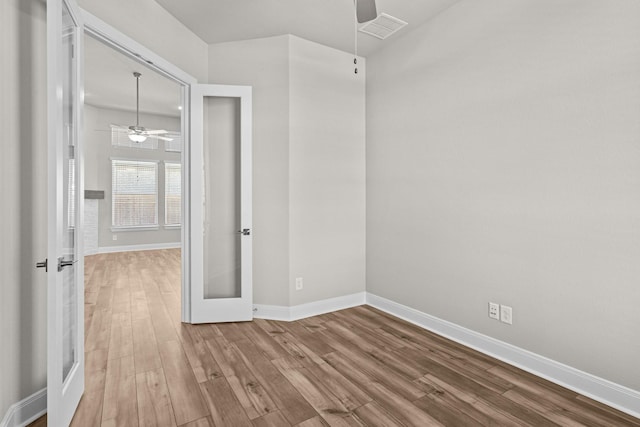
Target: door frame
(122, 43)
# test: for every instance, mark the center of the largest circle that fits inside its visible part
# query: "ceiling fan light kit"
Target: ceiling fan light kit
(139, 133)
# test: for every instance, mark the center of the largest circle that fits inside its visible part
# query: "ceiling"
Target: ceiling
(109, 80)
(329, 22)
(109, 83)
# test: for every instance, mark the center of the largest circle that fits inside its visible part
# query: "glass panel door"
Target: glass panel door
(65, 306)
(221, 223)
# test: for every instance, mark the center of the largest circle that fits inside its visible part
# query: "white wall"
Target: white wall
(326, 172)
(23, 192)
(99, 152)
(502, 165)
(308, 153)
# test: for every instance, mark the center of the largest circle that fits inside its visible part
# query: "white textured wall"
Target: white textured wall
(326, 172)
(503, 145)
(23, 191)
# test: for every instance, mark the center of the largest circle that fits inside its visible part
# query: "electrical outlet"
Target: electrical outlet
(114, 237)
(299, 284)
(494, 310)
(506, 314)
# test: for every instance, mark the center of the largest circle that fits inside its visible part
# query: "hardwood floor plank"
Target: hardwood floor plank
(145, 347)
(322, 399)
(468, 403)
(224, 407)
(248, 389)
(202, 422)
(313, 422)
(274, 419)
(372, 414)
(286, 398)
(401, 408)
(99, 333)
(121, 340)
(359, 362)
(183, 388)
(202, 362)
(120, 406)
(154, 405)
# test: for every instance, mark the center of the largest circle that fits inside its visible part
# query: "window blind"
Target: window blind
(134, 186)
(172, 193)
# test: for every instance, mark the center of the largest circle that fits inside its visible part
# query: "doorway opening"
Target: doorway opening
(134, 189)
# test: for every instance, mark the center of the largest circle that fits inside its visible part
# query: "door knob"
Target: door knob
(43, 264)
(62, 263)
(245, 231)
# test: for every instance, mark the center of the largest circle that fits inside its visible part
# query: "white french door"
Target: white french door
(65, 261)
(220, 214)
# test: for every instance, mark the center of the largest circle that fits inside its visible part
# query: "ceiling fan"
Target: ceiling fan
(139, 133)
(366, 10)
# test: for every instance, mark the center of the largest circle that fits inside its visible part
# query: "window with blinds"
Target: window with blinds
(134, 193)
(172, 193)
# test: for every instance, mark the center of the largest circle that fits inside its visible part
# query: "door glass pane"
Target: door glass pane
(221, 155)
(69, 178)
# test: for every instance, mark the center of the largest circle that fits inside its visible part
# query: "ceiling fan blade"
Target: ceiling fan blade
(366, 10)
(164, 138)
(154, 132)
(119, 127)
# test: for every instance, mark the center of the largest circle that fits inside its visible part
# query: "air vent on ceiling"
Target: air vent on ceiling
(383, 26)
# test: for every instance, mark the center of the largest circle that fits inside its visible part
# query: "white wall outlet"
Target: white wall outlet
(299, 283)
(494, 310)
(506, 314)
(114, 237)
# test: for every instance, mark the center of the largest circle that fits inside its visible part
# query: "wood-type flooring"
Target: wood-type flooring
(355, 367)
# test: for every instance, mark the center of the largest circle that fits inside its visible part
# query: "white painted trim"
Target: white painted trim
(607, 392)
(302, 311)
(132, 248)
(26, 411)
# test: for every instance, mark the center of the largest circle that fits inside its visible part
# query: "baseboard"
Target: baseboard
(132, 248)
(297, 312)
(26, 411)
(607, 392)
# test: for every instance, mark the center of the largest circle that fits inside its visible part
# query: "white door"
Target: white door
(65, 269)
(220, 217)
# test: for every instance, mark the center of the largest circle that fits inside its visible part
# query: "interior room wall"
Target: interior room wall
(23, 190)
(100, 151)
(308, 154)
(326, 172)
(502, 165)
